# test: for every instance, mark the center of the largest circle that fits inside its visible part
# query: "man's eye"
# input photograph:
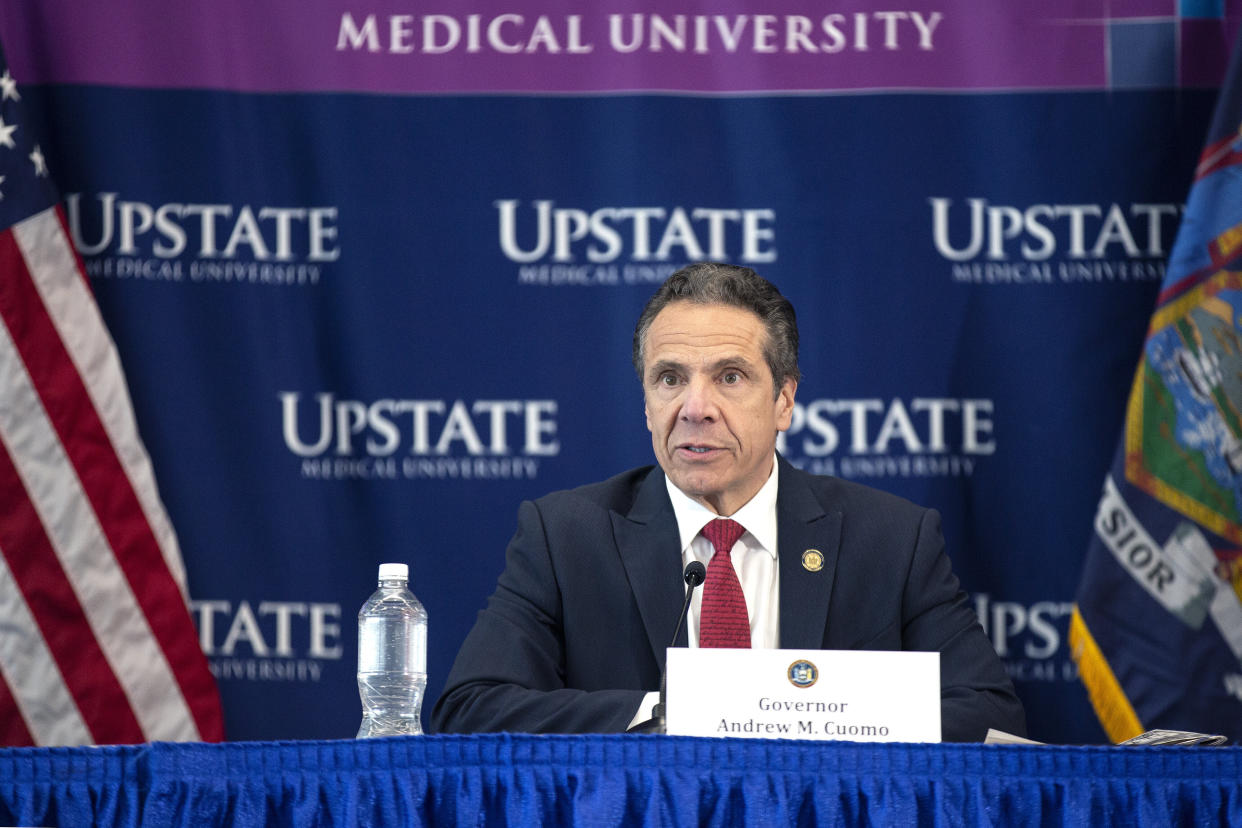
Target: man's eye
(668, 380)
(731, 378)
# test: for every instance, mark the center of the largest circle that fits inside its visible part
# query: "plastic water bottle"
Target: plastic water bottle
(392, 657)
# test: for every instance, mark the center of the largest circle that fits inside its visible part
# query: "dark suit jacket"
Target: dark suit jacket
(576, 631)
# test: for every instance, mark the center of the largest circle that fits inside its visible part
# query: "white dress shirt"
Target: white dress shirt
(754, 559)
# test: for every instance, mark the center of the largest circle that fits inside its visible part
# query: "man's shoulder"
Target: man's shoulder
(837, 494)
(616, 494)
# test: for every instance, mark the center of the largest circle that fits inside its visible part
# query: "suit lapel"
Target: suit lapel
(649, 544)
(804, 528)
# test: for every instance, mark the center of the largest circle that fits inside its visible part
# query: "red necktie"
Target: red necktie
(723, 621)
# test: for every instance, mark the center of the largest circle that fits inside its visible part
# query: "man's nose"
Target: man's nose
(699, 403)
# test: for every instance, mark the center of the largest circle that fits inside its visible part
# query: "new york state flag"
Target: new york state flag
(1157, 631)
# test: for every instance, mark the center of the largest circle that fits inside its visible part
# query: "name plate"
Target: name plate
(855, 695)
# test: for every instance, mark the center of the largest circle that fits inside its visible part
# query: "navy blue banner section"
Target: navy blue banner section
(362, 328)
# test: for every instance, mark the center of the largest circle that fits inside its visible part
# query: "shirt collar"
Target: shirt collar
(758, 515)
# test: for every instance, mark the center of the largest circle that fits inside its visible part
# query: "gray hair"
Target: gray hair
(715, 283)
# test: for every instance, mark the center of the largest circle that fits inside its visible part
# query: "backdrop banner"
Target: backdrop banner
(372, 271)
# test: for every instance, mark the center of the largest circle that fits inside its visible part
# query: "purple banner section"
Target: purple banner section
(729, 46)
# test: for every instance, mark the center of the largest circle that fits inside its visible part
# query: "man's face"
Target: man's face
(709, 405)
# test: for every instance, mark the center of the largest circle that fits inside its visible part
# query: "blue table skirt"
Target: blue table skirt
(616, 780)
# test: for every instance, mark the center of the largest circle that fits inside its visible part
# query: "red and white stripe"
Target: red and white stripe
(96, 641)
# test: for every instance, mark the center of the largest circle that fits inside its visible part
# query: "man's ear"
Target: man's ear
(785, 404)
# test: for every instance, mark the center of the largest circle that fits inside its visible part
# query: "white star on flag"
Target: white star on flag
(6, 134)
(40, 164)
(8, 88)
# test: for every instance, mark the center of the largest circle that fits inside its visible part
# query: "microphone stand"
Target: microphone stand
(694, 575)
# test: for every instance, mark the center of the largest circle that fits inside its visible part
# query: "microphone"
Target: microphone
(694, 575)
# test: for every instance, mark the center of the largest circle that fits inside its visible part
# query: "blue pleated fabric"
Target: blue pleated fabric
(616, 780)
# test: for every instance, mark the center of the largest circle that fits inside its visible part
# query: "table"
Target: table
(511, 779)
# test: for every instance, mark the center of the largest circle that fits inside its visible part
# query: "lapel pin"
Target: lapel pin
(812, 560)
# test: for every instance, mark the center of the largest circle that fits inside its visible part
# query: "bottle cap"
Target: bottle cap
(394, 571)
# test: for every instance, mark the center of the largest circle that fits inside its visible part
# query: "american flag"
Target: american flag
(96, 641)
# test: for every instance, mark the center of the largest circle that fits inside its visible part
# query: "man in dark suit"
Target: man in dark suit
(573, 639)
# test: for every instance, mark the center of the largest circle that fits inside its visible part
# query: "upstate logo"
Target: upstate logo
(202, 242)
(557, 245)
(270, 640)
(574, 34)
(988, 243)
(390, 439)
(1029, 638)
(870, 437)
